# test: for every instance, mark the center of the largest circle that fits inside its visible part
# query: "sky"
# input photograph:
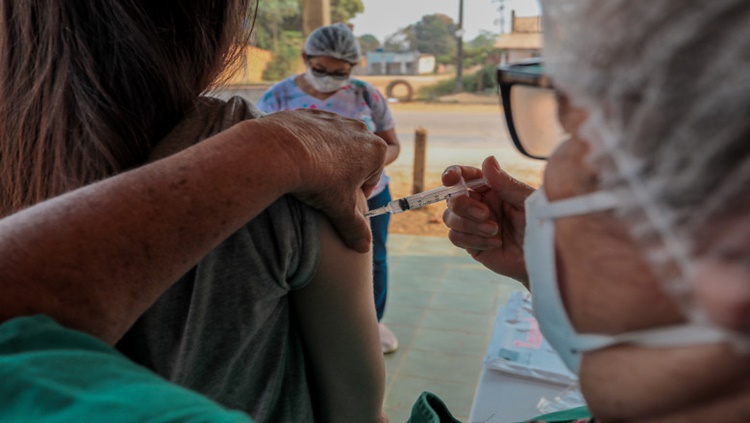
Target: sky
(384, 17)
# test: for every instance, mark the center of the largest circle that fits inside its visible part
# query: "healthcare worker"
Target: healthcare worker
(644, 204)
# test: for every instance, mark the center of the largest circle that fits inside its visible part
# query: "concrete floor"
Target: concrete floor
(441, 305)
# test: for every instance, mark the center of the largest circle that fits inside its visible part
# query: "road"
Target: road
(459, 134)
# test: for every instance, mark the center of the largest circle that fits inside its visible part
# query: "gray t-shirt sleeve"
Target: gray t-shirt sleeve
(283, 242)
(226, 328)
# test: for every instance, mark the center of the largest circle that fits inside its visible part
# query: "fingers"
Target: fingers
(453, 174)
(509, 189)
(471, 225)
(474, 244)
(354, 230)
(355, 233)
(338, 159)
(470, 215)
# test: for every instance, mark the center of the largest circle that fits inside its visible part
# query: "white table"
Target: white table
(505, 398)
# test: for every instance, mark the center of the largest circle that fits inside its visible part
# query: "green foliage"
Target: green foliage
(481, 57)
(269, 25)
(278, 29)
(285, 60)
(433, 34)
(481, 81)
(485, 40)
(399, 41)
(368, 42)
(344, 10)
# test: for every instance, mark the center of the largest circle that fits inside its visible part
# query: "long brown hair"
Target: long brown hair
(88, 86)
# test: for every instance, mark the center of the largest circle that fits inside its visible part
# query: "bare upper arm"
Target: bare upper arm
(338, 324)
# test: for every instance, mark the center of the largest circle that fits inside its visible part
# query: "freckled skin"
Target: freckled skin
(98, 257)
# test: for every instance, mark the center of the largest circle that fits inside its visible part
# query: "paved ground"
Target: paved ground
(441, 305)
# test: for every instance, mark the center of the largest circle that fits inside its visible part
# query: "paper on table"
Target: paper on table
(518, 347)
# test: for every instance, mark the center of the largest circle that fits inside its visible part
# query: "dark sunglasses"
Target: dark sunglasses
(320, 73)
(530, 108)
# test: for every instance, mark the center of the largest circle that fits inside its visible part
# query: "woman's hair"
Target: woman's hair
(667, 84)
(87, 87)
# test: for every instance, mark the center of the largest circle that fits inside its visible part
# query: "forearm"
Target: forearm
(95, 259)
(392, 153)
(337, 319)
(394, 146)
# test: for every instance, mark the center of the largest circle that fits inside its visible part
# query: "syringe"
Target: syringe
(428, 197)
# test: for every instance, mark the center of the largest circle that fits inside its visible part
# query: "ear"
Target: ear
(304, 57)
(722, 290)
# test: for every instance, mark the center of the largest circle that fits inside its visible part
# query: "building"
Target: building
(399, 63)
(524, 40)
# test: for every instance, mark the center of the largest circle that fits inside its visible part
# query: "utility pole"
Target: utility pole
(315, 13)
(460, 53)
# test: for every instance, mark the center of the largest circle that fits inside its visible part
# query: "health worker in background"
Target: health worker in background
(644, 206)
(330, 54)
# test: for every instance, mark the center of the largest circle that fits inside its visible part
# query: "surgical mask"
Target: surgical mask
(325, 84)
(539, 248)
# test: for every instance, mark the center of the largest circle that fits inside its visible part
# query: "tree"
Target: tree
(485, 40)
(278, 28)
(287, 58)
(269, 25)
(400, 41)
(344, 10)
(368, 42)
(433, 34)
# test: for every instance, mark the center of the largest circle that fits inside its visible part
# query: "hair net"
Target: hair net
(335, 41)
(667, 86)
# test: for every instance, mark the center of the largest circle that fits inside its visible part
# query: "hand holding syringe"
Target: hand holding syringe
(428, 197)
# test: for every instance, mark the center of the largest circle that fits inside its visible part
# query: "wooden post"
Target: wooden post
(315, 13)
(420, 152)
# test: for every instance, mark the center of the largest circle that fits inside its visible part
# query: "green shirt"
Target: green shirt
(52, 374)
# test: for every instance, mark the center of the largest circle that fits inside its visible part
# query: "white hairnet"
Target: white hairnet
(667, 84)
(335, 41)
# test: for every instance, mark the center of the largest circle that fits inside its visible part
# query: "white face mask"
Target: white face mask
(325, 84)
(539, 248)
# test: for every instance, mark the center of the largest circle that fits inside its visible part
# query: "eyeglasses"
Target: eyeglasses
(320, 73)
(530, 107)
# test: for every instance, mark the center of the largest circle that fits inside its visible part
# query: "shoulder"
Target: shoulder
(208, 117)
(363, 85)
(372, 95)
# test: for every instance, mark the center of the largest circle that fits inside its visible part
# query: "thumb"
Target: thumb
(510, 189)
(354, 230)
